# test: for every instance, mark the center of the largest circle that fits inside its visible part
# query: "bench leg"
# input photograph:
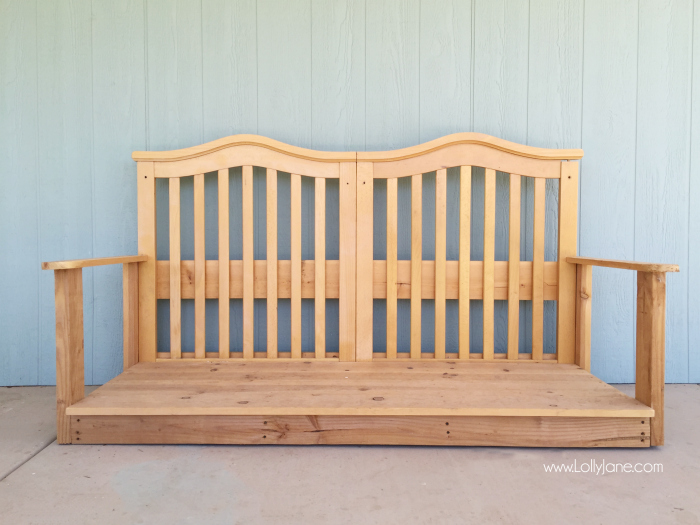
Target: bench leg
(651, 338)
(70, 374)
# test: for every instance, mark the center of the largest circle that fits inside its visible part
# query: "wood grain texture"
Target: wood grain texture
(200, 333)
(625, 265)
(584, 297)
(362, 430)
(70, 374)
(347, 213)
(130, 301)
(488, 267)
(148, 321)
(538, 269)
(391, 266)
(365, 262)
(320, 269)
(175, 306)
(440, 260)
(416, 262)
(224, 275)
(97, 261)
(248, 257)
(514, 267)
(465, 201)
(271, 271)
(651, 342)
(295, 236)
(566, 302)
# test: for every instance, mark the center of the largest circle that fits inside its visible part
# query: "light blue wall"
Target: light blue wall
(83, 84)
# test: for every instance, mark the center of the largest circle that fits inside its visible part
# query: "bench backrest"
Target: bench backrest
(362, 273)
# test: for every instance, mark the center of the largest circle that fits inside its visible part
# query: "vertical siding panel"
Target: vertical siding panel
(554, 103)
(229, 68)
(65, 161)
(19, 321)
(500, 109)
(663, 158)
(607, 179)
(694, 196)
(119, 127)
(445, 68)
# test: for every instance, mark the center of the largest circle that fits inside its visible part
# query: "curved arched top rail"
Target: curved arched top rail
(469, 149)
(458, 149)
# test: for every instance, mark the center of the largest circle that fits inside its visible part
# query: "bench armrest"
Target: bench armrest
(624, 265)
(651, 329)
(98, 261)
(70, 374)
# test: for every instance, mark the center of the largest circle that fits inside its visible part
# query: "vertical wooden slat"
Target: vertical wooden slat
(347, 250)
(584, 291)
(320, 267)
(147, 270)
(365, 262)
(651, 340)
(489, 254)
(566, 305)
(199, 269)
(538, 270)
(248, 264)
(416, 263)
(391, 265)
(465, 204)
(70, 374)
(295, 236)
(130, 286)
(224, 268)
(514, 267)
(440, 260)
(175, 277)
(272, 329)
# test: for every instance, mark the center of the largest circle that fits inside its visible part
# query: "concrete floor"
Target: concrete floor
(47, 483)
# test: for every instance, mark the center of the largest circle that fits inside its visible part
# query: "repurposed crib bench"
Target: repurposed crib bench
(498, 386)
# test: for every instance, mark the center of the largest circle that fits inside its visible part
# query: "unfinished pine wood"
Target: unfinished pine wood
(271, 267)
(538, 270)
(474, 290)
(200, 328)
(365, 262)
(223, 288)
(348, 258)
(98, 261)
(70, 375)
(416, 262)
(440, 260)
(474, 149)
(248, 268)
(175, 305)
(391, 267)
(489, 254)
(514, 267)
(295, 236)
(465, 202)
(625, 265)
(584, 289)
(320, 268)
(130, 286)
(146, 204)
(363, 430)
(568, 230)
(651, 341)
(383, 387)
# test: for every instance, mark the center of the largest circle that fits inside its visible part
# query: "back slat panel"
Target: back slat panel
(199, 268)
(391, 266)
(489, 253)
(320, 268)
(514, 267)
(566, 306)
(295, 236)
(416, 262)
(175, 310)
(440, 259)
(224, 275)
(538, 270)
(465, 202)
(248, 266)
(365, 249)
(271, 263)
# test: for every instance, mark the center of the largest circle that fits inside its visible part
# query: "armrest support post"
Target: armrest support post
(70, 373)
(651, 339)
(131, 313)
(584, 293)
